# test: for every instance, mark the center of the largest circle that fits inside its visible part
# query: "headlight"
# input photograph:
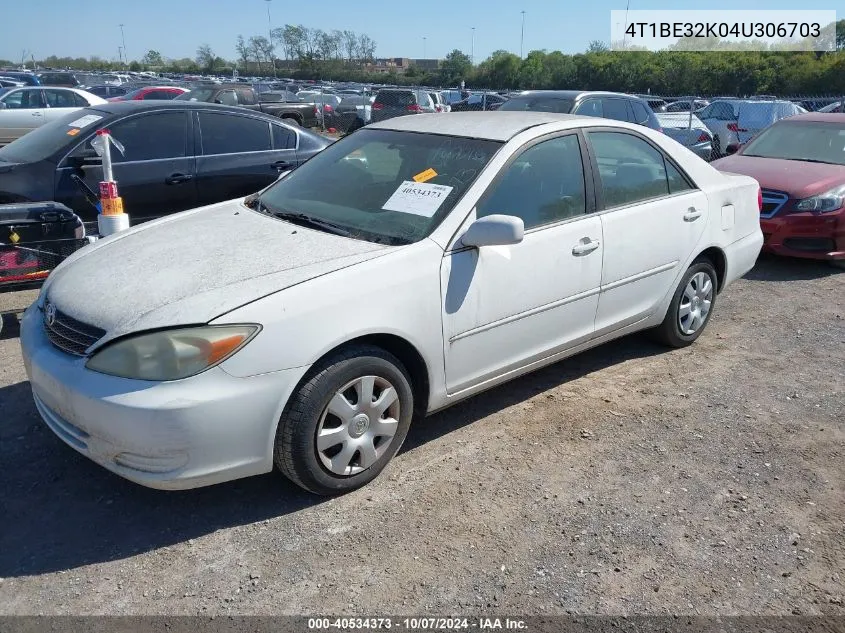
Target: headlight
(171, 354)
(825, 202)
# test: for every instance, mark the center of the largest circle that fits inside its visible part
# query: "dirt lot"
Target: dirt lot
(626, 480)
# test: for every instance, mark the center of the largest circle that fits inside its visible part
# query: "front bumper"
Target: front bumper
(810, 235)
(176, 435)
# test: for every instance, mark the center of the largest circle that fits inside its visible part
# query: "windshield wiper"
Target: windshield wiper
(306, 220)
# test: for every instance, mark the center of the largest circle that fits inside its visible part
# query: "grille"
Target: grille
(772, 202)
(68, 334)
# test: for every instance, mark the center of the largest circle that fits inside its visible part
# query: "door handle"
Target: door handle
(36, 114)
(279, 165)
(175, 179)
(692, 215)
(585, 247)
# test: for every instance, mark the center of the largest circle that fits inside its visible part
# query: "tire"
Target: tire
(838, 263)
(291, 120)
(677, 333)
(354, 445)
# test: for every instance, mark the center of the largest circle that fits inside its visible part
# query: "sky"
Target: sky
(422, 28)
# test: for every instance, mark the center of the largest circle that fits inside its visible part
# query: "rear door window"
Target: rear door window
(640, 113)
(590, 107)
(615, 109)
(230, 134)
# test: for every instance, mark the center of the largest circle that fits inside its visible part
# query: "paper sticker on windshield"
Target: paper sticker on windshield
(83, 121)
(417, 198)
(425, 176)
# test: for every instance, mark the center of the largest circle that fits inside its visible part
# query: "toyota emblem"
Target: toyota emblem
(50, 315)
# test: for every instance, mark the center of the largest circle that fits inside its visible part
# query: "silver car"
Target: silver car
(721, 118)
(755, 116)
(24, 109)
(689, 131)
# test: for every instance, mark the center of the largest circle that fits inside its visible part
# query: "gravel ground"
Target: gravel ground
(626, 480)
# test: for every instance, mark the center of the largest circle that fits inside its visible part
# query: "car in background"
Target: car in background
(479, 102)
(107, 91)
(722, 119)
(832, 107)
(178, 155)
(688, 131)
(295, 110)
(655, 103)
(29, 107)
(610, 105)
(800, 165)
(28, 78)
(9, 82)
(61, 79)
(393, 102)
(685, 105)
(308, 327)
(148, 93)
(440, 104)
(757, 115)
(454, 95)
(353, 112)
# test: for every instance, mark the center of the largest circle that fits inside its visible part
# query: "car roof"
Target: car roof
(493, 126)
(816, 117)
(572, 94)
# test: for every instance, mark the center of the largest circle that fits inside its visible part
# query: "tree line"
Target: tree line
(307, 53)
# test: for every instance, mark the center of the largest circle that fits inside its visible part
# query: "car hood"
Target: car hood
(798, 179)
(194, 266)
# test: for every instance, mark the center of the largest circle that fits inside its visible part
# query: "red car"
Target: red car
(151, 92)
(800, 165)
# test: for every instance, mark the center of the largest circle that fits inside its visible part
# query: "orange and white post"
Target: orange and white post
(112, 217)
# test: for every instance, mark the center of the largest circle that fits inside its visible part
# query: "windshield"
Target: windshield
(198, 94)
(373, 194)
(538, 104)
(809, 141)
(48, 139)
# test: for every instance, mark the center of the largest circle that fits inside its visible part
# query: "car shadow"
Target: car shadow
(778, 268)
(62, 511)
(526, 387)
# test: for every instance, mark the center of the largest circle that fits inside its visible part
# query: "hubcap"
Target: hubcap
(358, 425)
(695, 303)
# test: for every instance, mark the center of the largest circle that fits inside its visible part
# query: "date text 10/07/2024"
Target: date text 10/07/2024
(416, 624)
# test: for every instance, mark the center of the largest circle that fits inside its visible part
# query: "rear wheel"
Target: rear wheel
(291, 120)
(691, 306)
(346, 422)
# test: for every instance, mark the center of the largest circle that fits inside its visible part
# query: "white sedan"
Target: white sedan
(24, 109)
(406, 267)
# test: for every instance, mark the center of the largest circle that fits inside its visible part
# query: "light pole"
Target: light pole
(424, 42)
(120, 54)
(472, 54)
(270, 36)
(522, 37)
(123, 39)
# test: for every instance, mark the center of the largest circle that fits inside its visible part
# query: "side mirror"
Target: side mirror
(731, 149)
(494, 230)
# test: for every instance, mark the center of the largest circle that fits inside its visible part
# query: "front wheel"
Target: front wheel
(691, 306)
(346, 422)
